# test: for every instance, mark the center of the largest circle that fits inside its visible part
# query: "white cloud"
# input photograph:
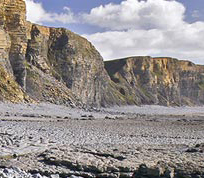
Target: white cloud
(182, 43)
(152, 27)
(134, 14)
(135, 27)
(37, 14)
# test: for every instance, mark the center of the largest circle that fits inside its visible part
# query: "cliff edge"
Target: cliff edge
(163, 81)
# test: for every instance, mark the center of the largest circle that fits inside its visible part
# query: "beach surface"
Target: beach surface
(47, 140)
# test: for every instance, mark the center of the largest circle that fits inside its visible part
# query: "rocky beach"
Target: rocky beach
(46, 140)
(67, 113)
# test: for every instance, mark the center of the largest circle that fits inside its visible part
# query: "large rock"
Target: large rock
(164, 81)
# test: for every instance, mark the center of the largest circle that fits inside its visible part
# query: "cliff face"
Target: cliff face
(52, 64)
(72, 61)
(164, 81)
(12, 50)
(14, 20)
(56, 65)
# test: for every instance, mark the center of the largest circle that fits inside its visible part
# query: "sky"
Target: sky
(123, 28)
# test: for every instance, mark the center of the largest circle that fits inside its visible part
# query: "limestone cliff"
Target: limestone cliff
(56, 65)
(12, 50)
(14, 19)
(164, 81)
(53, 64)
(71, 60)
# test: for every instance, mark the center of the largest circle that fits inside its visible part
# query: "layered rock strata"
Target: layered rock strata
(58, 66)
(164, 81)
(12, 50)
(52, 64)
(73, 61)
(14, 15)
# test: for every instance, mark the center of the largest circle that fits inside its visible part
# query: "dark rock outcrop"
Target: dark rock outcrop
(164, 170)
(164, 81)
(72, 61)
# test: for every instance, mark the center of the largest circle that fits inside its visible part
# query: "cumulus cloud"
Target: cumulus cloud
(183, 43)
(134, 14)
(37, 14)
(152, 27)
(134, 27)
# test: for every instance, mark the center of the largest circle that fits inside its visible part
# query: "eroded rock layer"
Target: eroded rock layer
(73, 61)
(13, 44)
(52, 64)
(56, 65)
(164, 81)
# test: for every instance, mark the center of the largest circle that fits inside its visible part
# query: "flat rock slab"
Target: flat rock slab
(113, 144)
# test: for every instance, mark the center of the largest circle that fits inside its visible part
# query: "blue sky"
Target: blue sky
(193, 7)
(122, 28)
